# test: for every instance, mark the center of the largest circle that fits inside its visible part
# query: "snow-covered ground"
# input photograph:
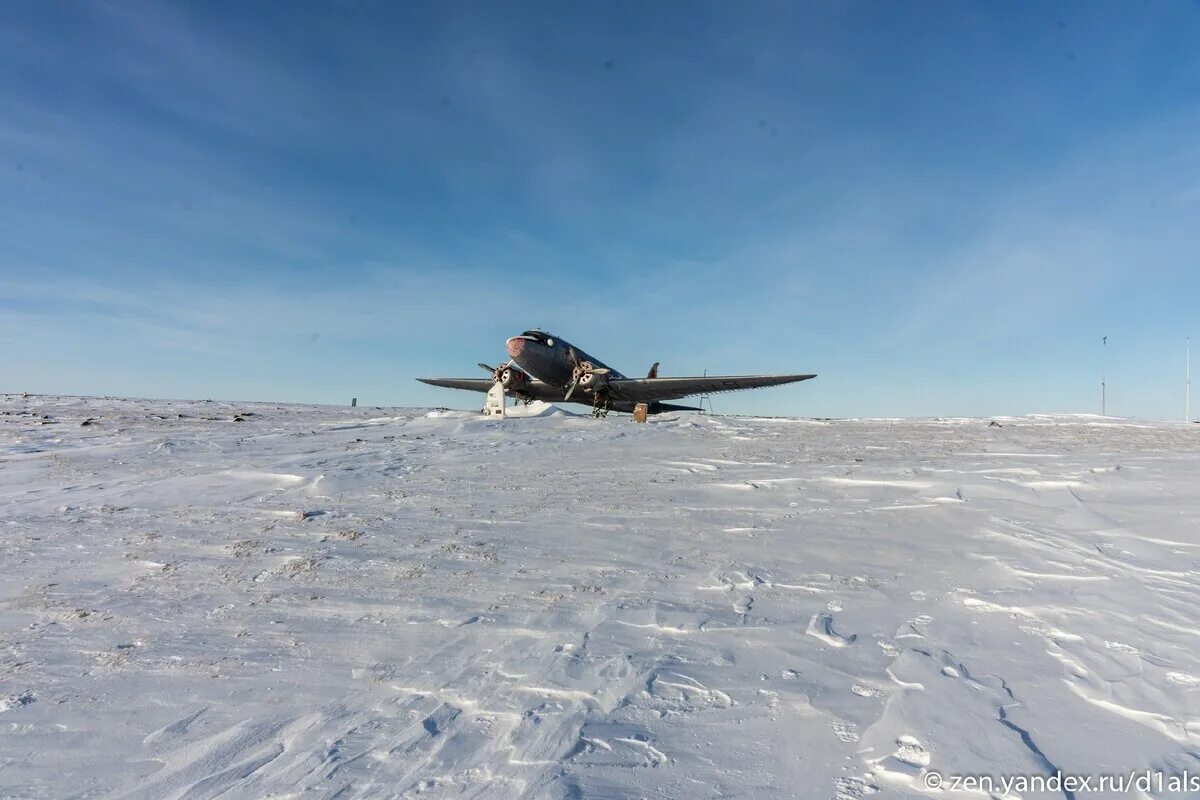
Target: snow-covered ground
(355, 603)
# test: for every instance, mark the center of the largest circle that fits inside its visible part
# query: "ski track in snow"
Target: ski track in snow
(360, 603)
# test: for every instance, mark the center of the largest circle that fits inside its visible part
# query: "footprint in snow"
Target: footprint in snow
(845, 731)
(910, 759)
(911, 751)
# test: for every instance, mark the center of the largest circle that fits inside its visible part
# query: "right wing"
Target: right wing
(650, 390)
(534, 388)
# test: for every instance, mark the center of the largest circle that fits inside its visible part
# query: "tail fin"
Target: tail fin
(653, 373)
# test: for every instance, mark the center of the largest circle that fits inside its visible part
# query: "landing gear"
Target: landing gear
(600, 405)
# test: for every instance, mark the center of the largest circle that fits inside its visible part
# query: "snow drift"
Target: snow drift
(329, 602)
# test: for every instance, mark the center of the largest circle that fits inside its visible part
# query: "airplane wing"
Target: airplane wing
(650, 390)
(536, 389)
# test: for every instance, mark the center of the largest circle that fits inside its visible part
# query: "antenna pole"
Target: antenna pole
(1103, 383)
(1187, 385)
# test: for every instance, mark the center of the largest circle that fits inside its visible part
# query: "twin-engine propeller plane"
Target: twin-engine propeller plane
(545, 367)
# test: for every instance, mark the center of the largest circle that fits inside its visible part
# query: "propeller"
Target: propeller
(497, 371)
(582, 372)
(510, 376)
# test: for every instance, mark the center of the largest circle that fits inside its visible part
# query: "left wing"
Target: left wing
(535, 389)
(650, 390)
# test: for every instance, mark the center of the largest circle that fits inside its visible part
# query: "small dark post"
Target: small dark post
(353, 402)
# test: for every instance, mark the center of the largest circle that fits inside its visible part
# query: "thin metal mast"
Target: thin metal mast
(1103, 383)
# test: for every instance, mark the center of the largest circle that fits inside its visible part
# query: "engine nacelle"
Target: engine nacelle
(512, 379)
(589, 381)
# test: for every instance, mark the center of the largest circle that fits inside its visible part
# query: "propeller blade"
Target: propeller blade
(571, 389)
(599, 370)
(572, 359)
(498, 370)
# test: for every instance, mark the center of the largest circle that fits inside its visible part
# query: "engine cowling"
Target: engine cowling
(512, 379)
(589, 380)
(586, 376)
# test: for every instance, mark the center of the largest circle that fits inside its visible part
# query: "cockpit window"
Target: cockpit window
(541, 337)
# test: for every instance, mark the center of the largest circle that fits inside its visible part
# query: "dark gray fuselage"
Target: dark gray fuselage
(546, 357)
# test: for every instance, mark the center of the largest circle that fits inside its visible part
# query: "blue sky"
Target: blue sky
(940, 208)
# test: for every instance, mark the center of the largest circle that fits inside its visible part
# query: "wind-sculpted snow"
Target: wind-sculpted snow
(206, 600)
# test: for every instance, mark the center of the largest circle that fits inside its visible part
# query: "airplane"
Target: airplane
(546, 367)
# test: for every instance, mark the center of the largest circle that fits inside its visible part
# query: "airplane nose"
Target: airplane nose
(514, 346)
